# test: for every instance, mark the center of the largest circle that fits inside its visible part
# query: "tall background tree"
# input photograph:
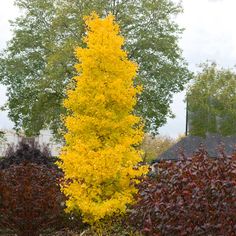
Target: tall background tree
(212, 101)
(38, 61)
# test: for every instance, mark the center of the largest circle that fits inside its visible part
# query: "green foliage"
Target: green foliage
(23, 66)
(212, 101)
(37, 64)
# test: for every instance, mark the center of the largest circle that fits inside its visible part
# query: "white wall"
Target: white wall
(45, 138)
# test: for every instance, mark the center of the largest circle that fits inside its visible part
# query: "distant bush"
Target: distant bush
(193, 196)
(1, 135)
(154, 146)
(30, 197)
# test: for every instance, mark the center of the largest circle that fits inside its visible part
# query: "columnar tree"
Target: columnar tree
(100, 158)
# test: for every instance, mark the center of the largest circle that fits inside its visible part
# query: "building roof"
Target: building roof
(190, 144)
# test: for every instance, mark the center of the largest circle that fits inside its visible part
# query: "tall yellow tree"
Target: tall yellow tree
(100, 158)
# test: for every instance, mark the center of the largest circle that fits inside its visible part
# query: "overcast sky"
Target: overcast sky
(209, 34)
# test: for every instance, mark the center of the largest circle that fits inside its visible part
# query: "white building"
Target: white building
(44, 139)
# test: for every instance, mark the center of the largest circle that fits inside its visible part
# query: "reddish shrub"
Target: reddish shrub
(28, 153)
(195, 196)
(30, 197)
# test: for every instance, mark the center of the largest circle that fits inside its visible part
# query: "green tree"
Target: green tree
(212, 101)
(38, 62)
(22, 67)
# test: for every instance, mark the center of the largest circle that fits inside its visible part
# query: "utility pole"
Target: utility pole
(186, 128)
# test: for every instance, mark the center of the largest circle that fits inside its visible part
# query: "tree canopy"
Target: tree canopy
(38, 62)
(212, 101)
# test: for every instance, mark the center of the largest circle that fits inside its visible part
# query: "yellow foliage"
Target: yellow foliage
(100, 158)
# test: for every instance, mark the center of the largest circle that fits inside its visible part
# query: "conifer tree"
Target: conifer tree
(100, 158)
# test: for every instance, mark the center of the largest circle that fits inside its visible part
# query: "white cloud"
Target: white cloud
(215, 0)
(7, 12)
(209, 35)
(209, 31)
